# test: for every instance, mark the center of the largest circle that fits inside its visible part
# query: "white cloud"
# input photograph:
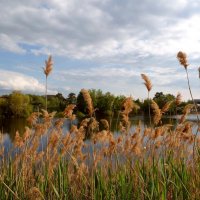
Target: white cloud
(136, 36)
(10, 44)
(16, 81)
(124, 80)
(91, 29)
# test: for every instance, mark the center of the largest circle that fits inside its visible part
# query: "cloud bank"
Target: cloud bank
(16, 81)
(121, 39)
(91, 29)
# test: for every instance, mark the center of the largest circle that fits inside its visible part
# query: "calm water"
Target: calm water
(9, 126)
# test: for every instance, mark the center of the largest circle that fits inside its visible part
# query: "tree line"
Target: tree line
(18, 104)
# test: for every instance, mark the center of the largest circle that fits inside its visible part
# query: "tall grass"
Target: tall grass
(182, 57)
(47, 70)
(154, 162)
(148, 84)
(149, 163)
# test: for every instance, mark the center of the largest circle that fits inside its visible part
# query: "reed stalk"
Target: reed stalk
(47, 70)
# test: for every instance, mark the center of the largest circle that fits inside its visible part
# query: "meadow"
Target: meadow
(90, 162)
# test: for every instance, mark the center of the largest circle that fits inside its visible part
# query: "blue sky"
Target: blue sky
(100, 44)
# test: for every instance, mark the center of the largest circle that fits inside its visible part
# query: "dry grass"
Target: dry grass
(48, 66)
(182, 57)
(141, 163)
(75, 168)
(147, 82)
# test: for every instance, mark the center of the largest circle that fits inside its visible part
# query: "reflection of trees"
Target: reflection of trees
(12, 125)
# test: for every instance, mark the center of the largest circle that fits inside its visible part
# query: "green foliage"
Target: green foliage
(105, 103)
(37, 102)
(71, 98)
(19, 104)
(161, 99)
(3, 106)
(144, 107)
(159, 179)
(81, 104)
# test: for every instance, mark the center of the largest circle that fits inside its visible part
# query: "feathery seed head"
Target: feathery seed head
(105, 124)
(157, 112)
(48, 66)
(147, 82)
(166, 107)
(68, 112)
(178, 99)
(182, 57)
(88, 100)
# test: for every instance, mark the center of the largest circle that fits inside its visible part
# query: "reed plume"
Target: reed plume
(186, 111)
(182, 57)
(157, 112)
(88, 100)
(148, 84)
(47, 70)
(68, 112)
(128, 106)
(166, 107)
(178, 100)
(105, 124)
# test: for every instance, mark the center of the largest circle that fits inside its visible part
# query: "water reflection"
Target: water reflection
(11, 125)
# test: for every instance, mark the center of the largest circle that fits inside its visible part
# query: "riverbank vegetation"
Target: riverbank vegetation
(18, 104)
(89, 162)
(159, 161)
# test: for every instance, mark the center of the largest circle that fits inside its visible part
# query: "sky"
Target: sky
(99, 44)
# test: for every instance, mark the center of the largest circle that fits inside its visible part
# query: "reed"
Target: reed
(47, 70)
(117, 167)
(154, 162)
(182, 57)
(148, 84)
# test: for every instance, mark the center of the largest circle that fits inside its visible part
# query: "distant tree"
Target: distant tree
(3, 106)
(105, 103)
(37, 102)
(161, 99)
(117, 106)
(81, 104)
(19, 104)
(144, 108)
(71, 98)
(62, 102)
(95, 95)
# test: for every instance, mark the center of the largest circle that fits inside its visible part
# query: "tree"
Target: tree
(19, 104)
(3, 106)
(71, 98)
(62, 102)
(161, 99)
(37, 102)
(81, 104)
(105, 103)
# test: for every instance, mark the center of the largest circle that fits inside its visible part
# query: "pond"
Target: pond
(9, 126)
